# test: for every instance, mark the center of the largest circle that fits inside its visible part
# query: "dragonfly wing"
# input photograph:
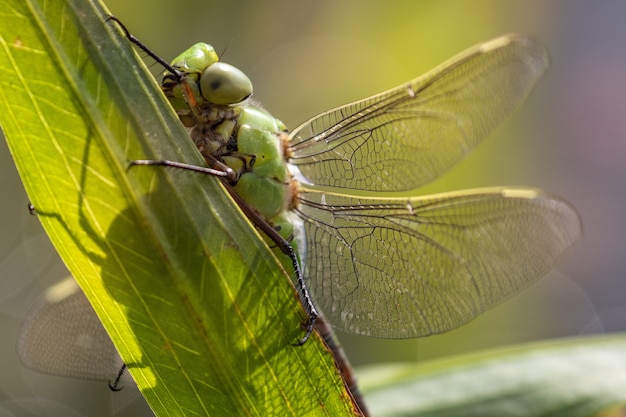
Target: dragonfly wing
(411, 267)
(408, 136)
(64, 337)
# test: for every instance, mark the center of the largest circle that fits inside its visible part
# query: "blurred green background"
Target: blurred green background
(305, 57)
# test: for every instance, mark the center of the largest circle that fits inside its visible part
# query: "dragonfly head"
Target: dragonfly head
(211, 81)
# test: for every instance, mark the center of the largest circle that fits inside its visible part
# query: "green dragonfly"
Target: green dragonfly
(376, 261)
(336, 194)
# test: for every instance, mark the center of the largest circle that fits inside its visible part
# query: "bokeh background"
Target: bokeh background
(305, 57)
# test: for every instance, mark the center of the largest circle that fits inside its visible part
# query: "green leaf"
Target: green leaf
(568, 378)
(197, 305)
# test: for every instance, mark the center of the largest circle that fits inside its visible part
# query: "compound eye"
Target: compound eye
(222, 83)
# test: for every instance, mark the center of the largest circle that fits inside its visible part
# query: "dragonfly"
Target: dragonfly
(376, 261)
(377, 258)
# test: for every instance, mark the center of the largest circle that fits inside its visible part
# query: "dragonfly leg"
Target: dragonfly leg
(226, 172)
(227, 175)
(305, 297)
(179, 76)
(286, 248)
(114, 386)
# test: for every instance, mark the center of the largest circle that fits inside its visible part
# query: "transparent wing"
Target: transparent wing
(408, 136)
(64, 337)
(411, 267)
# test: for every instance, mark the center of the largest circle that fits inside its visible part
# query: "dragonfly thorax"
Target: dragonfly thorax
(213, 130)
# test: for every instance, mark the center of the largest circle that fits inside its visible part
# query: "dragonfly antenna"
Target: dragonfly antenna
(223, 52)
